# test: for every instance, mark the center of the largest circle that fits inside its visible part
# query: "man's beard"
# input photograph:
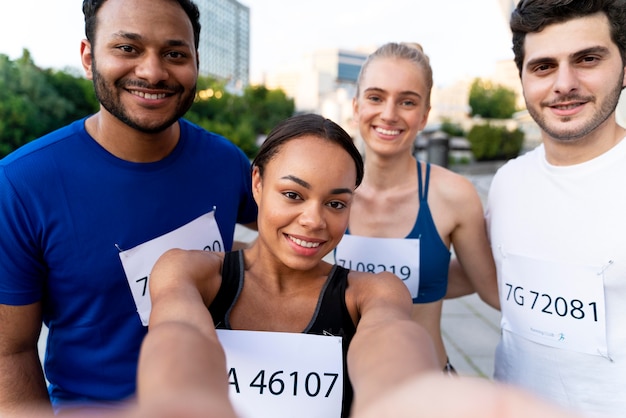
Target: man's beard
(607, 107)
(109, 99)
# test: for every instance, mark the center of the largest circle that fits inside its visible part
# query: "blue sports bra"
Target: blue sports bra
(434, 255)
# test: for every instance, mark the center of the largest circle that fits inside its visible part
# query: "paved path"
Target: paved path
(470, 327)
(470, 330)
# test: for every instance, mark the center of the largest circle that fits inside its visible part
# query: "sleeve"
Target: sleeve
(22, 270)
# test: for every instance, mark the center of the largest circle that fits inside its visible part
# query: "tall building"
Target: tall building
(323, 82)
(225, 41)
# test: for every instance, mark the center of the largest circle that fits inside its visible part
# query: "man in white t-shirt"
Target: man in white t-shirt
(557, 215)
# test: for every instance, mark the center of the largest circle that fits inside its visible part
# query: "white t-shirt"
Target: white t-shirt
(558, 236)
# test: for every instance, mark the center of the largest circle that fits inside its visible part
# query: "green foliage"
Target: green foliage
(494, 142)
(451, 128)
(34, 102)
(491, 102)
(240, 118)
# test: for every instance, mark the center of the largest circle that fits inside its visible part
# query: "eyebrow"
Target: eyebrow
(137, 37)
(379, 90)
(600, 50)
(306, 185)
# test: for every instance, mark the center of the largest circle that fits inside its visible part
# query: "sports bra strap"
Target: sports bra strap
(423, 190)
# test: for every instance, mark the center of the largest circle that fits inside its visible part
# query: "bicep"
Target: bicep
(20, 327)
(473, 251)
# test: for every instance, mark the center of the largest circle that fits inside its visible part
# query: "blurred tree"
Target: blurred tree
(34, 102)
(451, 128)
(267, 107)
(240, 118)
(489, 142)
(491, 102)
(74, 87)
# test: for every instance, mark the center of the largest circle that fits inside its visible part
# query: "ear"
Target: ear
(257, 184)
(86, 58)
(424, 120)
(355, 109)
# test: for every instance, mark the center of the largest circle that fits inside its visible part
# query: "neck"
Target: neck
(384, 173)
(263, 266)
(128, 143)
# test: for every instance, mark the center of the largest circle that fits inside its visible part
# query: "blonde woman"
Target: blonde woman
(407, 214)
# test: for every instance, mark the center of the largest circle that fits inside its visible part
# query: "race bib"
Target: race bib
(556, 304)
(400, 256)
(199, 234)
(283, 375)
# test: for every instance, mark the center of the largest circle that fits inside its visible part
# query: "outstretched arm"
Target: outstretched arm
(181, 349)
(388, 347)
(182, 370)
(437, 395)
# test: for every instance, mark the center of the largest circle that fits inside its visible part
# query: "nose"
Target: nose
(389, 112)
(151, 68)
(312, 216)
(566, 80)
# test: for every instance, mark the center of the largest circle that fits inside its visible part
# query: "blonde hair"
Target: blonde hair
(410, 51)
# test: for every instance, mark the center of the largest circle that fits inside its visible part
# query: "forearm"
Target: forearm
(474, 269)
(434, 394)
(178, 362)
(22, 384)
(381, 358)
(458, 282)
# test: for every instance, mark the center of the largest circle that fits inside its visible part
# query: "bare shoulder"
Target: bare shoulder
(176, 265)
(451, 187)
(178, 255)
(377, 286)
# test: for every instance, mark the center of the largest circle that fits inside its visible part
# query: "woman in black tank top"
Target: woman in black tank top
(303, 181)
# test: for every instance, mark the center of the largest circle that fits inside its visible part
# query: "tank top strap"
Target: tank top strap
(423, 189)
(232, 283)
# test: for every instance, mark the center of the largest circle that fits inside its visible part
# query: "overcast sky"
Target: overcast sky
(462, 37)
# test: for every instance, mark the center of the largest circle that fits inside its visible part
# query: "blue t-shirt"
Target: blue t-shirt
(66, 208)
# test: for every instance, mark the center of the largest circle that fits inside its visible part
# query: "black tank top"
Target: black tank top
(331, 316)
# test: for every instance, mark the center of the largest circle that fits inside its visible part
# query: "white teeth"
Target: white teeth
(303, 243)
(388, 131)
(148, 95)
(567, 107)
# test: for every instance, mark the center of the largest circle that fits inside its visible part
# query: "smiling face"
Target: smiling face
(304, 200)
(391, 106)
(143, 62)
(572, 76)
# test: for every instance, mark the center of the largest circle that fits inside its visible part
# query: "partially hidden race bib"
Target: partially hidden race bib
(283, 375)
(199, 234)
(400, 256)
(556, 304)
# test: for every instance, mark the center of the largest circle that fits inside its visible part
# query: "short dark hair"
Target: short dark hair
(91, 7)
(307, 124)
(534, 15)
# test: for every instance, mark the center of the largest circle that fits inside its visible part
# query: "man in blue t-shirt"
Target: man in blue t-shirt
(85, 210)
